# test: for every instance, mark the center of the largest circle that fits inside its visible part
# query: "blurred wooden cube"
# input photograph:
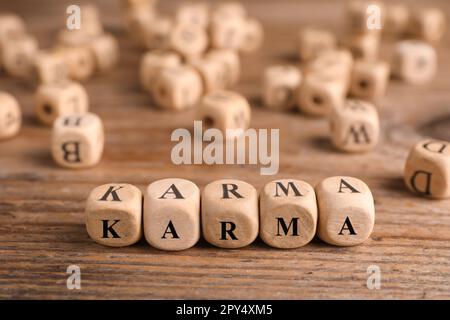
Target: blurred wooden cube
(312, 40)
(369, 79)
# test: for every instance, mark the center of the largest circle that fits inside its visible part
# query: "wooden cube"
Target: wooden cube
(230, 59)
(156, 33)
(105, 51)
(73, 38)
(227, 33)
(365, 16)
(428, 24)
(11, 26)
(253, 35)
(369, 79)
(288, 213)
(230, 213)
(224, 110)
(152, 63)
(60, 99)
(364, 46)
(10, 116)
(311, 41)
(397, 20)
(280, 85)
(427, 169)
(178, 88)
(229, 9)
(50, 67)
(77, 140)
(188, 40)
(114, 214)
(172, 214)
(195, 13)
(355, 126)
(137, 20)
(91, 24)
(346, 211)
(79, 60)
(414, 62)
(17, 55)
(321, 93)
(213, 74)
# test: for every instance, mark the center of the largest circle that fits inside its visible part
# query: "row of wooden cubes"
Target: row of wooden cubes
(77, 54)
(172, 215)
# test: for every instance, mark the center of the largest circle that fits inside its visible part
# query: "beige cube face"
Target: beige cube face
(194, 13)
(232, 65)
(346, 211)
(213, 73)
(364, 46)
(362, 16)
(90, 20)
(312, 41)
(428, 24)
(50, 67)
(355, 127)
(156, 33)
(288, 213)
(11, 26)
(320, 93)
(427, 169)
(414, 62)
(10, 116)
(105, 51)
(189, 40)
(59, 99)
(172, 214)
(224, 110)
(114, 214)
(18, 53)
(152, 63)
(369, 79)
(280, 85)
(137, 21)
(77, 141)
(178, 88)
(397, 20)
(79, 60)
(253, 35)
(230, 213)
(227, 33)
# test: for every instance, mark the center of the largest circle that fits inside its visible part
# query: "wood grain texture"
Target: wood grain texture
(41, 205)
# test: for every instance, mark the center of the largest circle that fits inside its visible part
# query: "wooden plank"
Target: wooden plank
(41, 206)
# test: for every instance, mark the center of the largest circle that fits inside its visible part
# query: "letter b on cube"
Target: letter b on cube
(114, 214)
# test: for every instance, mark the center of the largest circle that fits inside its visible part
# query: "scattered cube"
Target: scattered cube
(414, 61)
(311, 41)
(80, 61)
(253, 35)
(59, 99)
(137, 20)
(189, 40)
(156, 33)
(230, 213)
(397, 20)
(365, 16)
(213, 74)
(152, 63)
(346, 211)
(195, 13)
(364, 46)
(172, 214)
(114, 214)
(17, 55)
(227, 33)
(369, 79)
(231, 62)
(428, 24)
(10, 116)
(280, 85)
(288, 213)
(11, 26)
(105, 51)
(321, 93)
(91, 24)
(178, 88)
(73, 38)
(229, 9)
(427, 169)
(50, 67)
(77, 140)
(355, 126)
(224, 110)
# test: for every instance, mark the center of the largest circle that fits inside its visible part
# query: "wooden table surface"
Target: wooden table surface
(42, 228)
